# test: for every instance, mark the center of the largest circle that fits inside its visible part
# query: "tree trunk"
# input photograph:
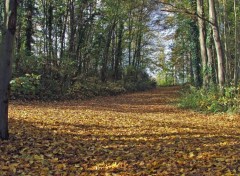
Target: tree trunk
(29, 26)
(195, 48)
(119, 53)
(196, 61)
(1, 18)
(217, 42)
(202, 39)
(236, 68)
(210, 63)
(226, 44)
(106, 52)
(130, 35)
(191, 68)
(72, 29)
(6, 57)
(50, 31)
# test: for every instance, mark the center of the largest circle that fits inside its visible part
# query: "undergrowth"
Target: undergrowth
(211, 100)
(32, 87)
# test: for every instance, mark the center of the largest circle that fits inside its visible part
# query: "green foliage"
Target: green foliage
(147, 84)
(92, 87)
(25, 86)
(62, 85)
(72, 66)
(211, 100)
(163, 79)
(136, 79)
(140, 85)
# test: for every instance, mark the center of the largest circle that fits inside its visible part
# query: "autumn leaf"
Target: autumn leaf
(134, 134)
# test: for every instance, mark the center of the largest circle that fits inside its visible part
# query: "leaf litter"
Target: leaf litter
(133, 134)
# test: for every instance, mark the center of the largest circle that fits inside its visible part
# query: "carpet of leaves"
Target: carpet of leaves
(132, 134)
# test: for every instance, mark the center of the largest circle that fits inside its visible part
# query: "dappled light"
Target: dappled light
(118, 88)
(121, 135)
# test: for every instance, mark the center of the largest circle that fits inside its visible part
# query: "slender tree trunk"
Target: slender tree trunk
(209, 45)
(29, 27)
(196, 61)
(119, 53)
(113, 54)
(72, 29)
(202, 39)
(1, 18)
(106, 53)
(226, 44)
(191, 68)
(210, 65)
(130, 37)
(50, 30)
(195, 47)
(236, 68)
(6, 57)
(217, 42)
(18, 46)
(63, 33)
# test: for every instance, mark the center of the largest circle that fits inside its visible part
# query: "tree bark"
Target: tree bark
(210, 63)
(226, 45)
(195, 48)
(202, 40)
(106, 52)
(217, 42)
(236, 67)
(6, 57)
(119, 53)
(1, 18)
(29, 26)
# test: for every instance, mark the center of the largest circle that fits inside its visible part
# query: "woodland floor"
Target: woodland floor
(132, 134)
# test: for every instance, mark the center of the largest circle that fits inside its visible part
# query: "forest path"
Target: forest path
(133, 134)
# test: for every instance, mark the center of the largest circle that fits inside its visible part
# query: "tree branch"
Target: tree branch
(174, 9)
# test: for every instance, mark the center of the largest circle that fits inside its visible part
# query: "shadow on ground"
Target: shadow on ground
(96, 138)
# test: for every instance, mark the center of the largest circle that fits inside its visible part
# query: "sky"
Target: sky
(162, 40)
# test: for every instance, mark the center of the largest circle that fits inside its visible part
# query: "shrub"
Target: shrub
(25, 86)
(137, 79)
(211, 100)
(50, 89)
(93, 87)
(114, 88)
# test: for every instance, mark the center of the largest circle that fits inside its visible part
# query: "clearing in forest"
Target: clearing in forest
(132, 134)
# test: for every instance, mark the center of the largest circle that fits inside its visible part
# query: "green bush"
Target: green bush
(146, 84)
(163, 79)
(50, 89)
(137, 79)
(93, 87)
(65, 85)
(25, 86)
(114, 88)
(211, 100)
(140, 85)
